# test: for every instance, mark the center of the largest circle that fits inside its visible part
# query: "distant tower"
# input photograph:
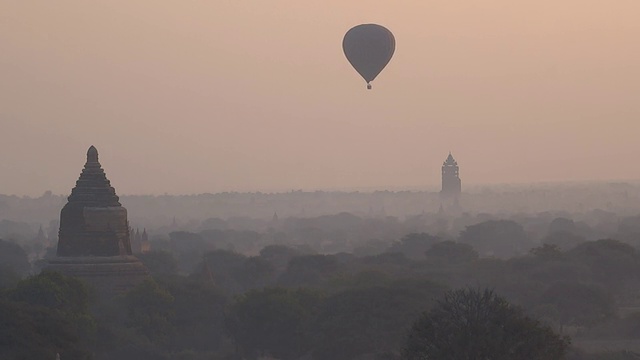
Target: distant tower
(451, 184)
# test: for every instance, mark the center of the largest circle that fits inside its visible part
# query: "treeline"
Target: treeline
(288, 303)
(157, 211)
(489, 234)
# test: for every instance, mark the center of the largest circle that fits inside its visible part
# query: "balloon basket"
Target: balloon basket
(368, 86)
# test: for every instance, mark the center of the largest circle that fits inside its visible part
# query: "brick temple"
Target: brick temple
(94, 239)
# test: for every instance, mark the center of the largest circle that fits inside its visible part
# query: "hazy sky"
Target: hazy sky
(237, 95)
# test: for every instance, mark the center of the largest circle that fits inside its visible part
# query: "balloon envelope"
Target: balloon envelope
(369, 47)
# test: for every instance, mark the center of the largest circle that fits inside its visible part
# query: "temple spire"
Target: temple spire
(92, 155)
(93, 187)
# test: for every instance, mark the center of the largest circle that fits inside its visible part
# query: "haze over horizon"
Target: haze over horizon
(203, 97)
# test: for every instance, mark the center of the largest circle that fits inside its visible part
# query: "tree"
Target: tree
(499, 238)
(370, 247)
(149, 310)
(579, 304)
(273, 321)
(188, 248)
(612, 263)
(414, 245)
(449, 252)
(310, 270)
(52, 300)
(35, 332)
(14, 257)
(8, 277)
(562, 224)
(234, 273)
(54, 291)
(198, 315)
(547, 252)
(472, 324)
(371, 320)
(564, 240)
(256, 273)
(279, 256)
(160, 262)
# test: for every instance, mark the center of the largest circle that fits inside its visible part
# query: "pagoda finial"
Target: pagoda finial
(92, 154)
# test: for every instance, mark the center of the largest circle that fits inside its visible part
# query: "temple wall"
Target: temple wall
(93, 231)
(109, 276)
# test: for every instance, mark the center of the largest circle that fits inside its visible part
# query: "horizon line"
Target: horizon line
(370, 189)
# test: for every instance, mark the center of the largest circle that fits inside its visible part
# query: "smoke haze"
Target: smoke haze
(190, 97)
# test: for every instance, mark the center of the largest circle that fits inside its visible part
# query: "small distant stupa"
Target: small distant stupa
(139, 242)
(94, 241)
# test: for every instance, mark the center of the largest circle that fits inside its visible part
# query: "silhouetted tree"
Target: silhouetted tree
(471, 324)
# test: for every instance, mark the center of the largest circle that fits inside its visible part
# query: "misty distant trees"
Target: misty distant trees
(350, 286)
(13, 256)
(414, 245)
(273, 322)
(160, 263)
(233, 273)
(451, 253)
(310, 270)
(499, 238)
(564, 233)
(285, 301)
(578, 304)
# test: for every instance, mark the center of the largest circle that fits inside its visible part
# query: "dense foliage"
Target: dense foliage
(288, 295)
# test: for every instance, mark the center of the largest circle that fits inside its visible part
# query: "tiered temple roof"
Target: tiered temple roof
(93, 188)
(93, 222)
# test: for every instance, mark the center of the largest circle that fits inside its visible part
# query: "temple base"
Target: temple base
(109, 275)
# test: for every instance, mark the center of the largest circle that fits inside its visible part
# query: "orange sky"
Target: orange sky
(238, 95)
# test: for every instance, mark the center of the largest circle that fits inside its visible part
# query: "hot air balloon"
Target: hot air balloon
(369, 47)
